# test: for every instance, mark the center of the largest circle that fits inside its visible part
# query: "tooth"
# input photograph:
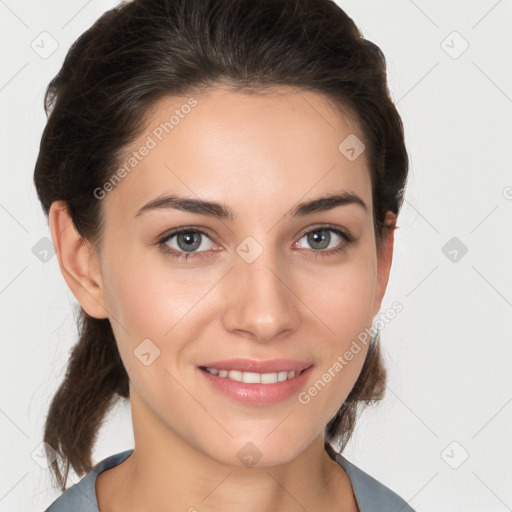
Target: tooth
(235, 375)
(268, 378)
(282, 376)
(251, 378)
(254, 377)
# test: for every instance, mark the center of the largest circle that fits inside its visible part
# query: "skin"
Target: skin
(260, 154)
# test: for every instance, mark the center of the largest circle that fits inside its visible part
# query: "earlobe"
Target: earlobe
(384, 260)
(78, 261)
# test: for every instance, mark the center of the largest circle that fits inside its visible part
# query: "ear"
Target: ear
(78, 261)
(384, 260)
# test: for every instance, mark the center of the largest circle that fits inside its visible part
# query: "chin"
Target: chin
(273, 450)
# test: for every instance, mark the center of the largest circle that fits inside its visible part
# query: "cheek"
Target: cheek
(149, 300)
(343, 297)
(147, 297)
(135, 300)
(345, 310)
(148, 308)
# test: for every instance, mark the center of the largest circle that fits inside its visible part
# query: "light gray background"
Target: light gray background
(448, 351)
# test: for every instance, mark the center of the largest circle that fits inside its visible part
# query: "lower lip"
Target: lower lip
(257, 394)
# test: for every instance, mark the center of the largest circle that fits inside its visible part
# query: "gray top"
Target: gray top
(371, 495)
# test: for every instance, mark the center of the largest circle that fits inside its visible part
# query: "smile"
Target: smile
(271, 385)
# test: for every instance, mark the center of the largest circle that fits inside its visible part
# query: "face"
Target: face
(271, 281)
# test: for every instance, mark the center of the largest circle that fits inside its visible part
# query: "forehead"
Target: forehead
(244, 149)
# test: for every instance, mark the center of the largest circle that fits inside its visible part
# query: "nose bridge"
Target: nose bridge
(260, 302)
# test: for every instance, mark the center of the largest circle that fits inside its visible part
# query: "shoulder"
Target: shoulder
(371, 495)
(81, 497)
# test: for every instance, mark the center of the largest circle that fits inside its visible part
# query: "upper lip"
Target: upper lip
(252, 365)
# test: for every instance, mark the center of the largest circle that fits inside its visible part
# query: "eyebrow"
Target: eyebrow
(224, 212)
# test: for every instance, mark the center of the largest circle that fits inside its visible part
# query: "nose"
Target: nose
(260, 302)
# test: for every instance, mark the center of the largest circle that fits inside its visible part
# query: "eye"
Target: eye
(322, 241)
(186, 244)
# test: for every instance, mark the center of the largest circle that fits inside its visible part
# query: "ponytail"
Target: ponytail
(95, 379)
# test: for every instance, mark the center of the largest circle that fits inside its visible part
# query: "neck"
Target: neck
(173, 475)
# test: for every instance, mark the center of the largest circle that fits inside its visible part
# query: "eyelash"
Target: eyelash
(348, 239)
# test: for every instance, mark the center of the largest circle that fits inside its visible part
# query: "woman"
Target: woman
(222, 181)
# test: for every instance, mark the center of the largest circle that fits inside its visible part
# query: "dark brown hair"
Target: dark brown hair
(144, 50)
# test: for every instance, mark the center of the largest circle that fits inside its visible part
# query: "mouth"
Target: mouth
(257, 382)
